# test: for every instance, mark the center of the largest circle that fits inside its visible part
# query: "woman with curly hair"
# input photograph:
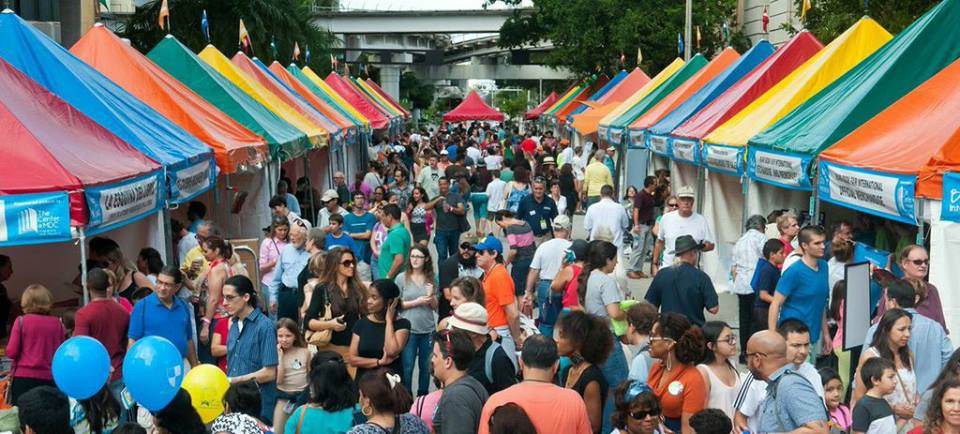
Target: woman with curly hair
(943, 416)
(678, 345)
(587, 340)
(636, 409)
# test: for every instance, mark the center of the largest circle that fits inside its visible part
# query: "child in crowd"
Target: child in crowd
(873, 414)
(833, 396)
(764, 282)
(292, 371)
(711, 421)
(337, 237)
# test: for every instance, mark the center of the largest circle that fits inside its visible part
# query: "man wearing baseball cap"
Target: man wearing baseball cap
(331, 206)
(490, 366)
(547, 262)
(683, 221)
(502, 313)
(684, 288)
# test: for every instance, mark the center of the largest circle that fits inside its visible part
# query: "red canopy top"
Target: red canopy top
(535, 112)
(377, 119)
(472, 108)
(379, 90)
(49, 146)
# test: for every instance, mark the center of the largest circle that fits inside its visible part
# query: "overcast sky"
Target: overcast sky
(414, 4)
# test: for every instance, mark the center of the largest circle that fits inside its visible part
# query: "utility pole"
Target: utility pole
(687, 30)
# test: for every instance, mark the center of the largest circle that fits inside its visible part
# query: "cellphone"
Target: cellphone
(341, 320)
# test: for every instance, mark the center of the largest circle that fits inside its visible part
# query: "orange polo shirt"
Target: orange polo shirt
(498, 292)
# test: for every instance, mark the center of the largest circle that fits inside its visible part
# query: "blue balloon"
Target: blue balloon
(153, 371)
(81, 366)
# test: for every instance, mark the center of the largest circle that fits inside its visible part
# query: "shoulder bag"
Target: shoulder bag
(321, 339)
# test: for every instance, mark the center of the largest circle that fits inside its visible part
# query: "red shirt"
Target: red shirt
(33, 341)
(222, 328)
(106, 321)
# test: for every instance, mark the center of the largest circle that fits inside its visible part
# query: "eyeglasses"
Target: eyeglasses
(659, 338)
(672, 205)
(230, 297)
(642, 414)
(732, 340)
(919, 262)
(349, 263)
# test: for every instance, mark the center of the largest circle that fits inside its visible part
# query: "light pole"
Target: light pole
(687, 29)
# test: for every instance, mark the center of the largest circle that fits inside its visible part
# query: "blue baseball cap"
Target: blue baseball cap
(489, 242)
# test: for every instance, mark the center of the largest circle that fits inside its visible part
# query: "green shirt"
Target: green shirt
(506, 175)
(397, 243)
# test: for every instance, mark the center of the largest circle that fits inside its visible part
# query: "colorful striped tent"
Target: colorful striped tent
(585, 122)
(534, 113)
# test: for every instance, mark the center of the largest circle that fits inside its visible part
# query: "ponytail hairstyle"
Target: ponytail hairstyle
(100, 409)
(589, 334)
(711, 335)
(598, 253)
(385, 392)
(690, 343)
(243, 285)
(221, 245)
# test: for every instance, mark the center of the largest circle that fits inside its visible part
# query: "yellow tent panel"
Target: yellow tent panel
(317, 81)
(651, 85)
(829, 64)
(222, 64)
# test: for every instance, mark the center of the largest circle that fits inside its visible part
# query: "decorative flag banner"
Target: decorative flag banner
(164, 15)
(882, 194)
(104, 6)
(807, 5)
(765, 19)
(34, 218)
(698, 38)
(725, 30)
(296, 51)
(680, 43)
(273, 47)
(244, 36)
(205, 26)
(950, 202)
(639, 56)
(306, 56)
(623, 58)
(333, 62)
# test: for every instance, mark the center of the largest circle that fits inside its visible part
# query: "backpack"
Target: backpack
(516, 195)
(488, 361)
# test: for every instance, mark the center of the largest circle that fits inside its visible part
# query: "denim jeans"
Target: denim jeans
(518, 271)
(639, 249)
(418, 349)
(447, 242)
(268, 401)
(615, 371)
(550, 305)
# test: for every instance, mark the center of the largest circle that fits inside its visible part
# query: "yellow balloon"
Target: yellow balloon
(206, 385)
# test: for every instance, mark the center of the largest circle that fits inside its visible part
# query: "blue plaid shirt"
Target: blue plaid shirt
(791, 402)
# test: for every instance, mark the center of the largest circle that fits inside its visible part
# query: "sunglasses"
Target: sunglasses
(642, 414)
(672, 205)
(349, 263)
(919, 262)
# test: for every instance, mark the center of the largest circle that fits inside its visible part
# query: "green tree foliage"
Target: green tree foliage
(512, 104)
(829, 18)
(591, 35)
(415, 93)
(284, 21)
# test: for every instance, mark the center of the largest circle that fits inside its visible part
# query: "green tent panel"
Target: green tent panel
(916, 54)
(621, 123)
(317, 90)
(285, 141)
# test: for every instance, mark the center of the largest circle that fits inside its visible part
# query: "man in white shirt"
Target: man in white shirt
(683, 221)
(474, 153)
(429, 177)
(566, 154)
(547, 262)
(607, 213)
(747, 252)
(331, 206)
(493, 161)
(495, 191)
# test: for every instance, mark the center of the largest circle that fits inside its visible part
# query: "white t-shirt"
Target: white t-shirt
(610, 214)
(750, 404)
(323, 216)
(791, 259)
(493, 162)
(474, 153)
(549, 257)
(495, 190)
(565, 156)
(185, 245)
(673, 225)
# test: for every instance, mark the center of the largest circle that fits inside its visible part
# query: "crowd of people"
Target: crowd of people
(508, 323)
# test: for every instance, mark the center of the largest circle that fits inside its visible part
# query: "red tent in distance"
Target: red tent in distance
(535, 112)
(472, 108)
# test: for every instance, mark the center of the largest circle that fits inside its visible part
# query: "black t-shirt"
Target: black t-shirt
(873, 415)
(589, 375)
(317, 308)
(504, 374)
(449, 270)
(447, 220)
(371, 341)
(683, 289)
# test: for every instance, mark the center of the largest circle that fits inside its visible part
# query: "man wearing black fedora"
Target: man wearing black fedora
(684, 288)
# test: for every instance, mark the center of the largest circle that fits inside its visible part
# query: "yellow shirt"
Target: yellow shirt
(193, 254)
(595, 177)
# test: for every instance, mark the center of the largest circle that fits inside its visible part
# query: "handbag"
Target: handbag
(321, 339)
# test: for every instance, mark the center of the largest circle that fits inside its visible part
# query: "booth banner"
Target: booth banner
(189, 182)
(950, 203)
(34, 218)
(602, 133)
(637, 139)
(614, 135)
(684, 150)
(658, 144)
(783, 170)
(882, 194)
(118, 204)
(724, 159)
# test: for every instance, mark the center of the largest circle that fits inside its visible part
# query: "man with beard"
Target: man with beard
(461, 265)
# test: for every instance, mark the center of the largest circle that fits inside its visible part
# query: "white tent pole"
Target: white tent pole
(920, 214)
(83, 266)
